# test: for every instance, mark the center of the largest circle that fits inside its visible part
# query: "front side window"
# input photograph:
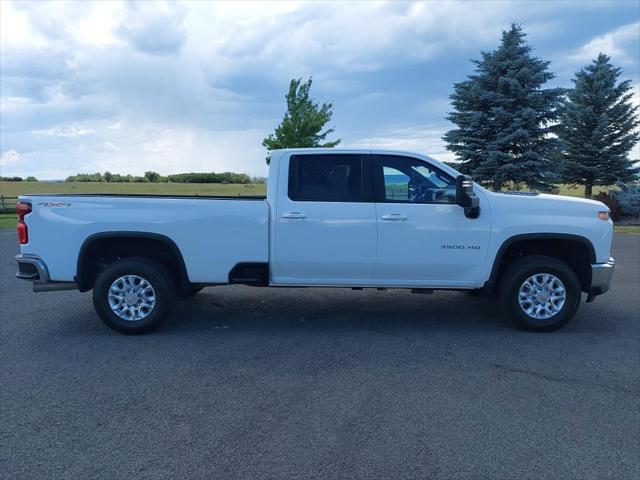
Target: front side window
(326, 178)
(409, 180)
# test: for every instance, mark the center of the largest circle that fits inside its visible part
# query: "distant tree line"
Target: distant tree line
(18, 179)
(154, 177)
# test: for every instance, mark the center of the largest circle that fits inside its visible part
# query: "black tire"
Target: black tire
(522, 269)
(154, 274)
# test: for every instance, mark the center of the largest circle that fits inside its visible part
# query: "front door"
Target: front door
(424, 238)
(325, 225)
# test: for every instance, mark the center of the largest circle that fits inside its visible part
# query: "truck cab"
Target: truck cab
(372, 219)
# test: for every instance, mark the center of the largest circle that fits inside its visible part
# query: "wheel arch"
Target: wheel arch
(555, 245)
(164, 250)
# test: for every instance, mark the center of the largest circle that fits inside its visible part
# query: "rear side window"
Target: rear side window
(326, 178)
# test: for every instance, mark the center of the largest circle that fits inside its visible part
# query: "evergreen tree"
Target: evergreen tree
(598, 128)
(303, 121)
(504, 117)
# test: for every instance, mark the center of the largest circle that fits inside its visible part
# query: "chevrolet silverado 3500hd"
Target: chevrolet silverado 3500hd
(352, 218)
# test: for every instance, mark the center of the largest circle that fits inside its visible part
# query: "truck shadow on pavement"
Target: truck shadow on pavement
(246, 309)
(273, 310)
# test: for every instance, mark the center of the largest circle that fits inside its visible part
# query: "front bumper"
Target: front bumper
(601, 274)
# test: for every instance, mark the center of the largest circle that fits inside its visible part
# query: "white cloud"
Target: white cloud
(9, 157)
(348, 36)
(16, 28)
(170, 87)
(426, 139)
(619, 44)
(154, 27)
(69, 131)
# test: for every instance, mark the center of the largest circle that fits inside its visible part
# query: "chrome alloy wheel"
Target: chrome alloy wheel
(131, 297)
(542, 296)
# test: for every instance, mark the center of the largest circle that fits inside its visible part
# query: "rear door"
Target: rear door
(424, 237)
(325, 222)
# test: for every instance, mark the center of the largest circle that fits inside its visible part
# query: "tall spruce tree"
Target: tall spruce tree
(303, 121)
(504, 117)
(598, 128)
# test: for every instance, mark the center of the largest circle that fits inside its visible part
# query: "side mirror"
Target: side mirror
(465, 196)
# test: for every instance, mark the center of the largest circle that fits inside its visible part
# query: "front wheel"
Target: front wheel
(539, 293)
(133, 296)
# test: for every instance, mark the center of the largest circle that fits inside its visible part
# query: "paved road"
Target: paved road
(279, 383)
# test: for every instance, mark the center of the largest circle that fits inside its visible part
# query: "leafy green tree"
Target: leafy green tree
(108, 177)
(598, 128)
(303, 122)
(31, 178)
(504, 117)
(224, 177)
(152, 177)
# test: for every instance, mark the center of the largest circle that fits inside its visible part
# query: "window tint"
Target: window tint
(411, 180)
(326, 178)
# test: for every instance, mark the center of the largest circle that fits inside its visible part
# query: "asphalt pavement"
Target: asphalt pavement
(245, 382)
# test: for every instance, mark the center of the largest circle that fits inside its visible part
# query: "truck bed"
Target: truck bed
(213, 233)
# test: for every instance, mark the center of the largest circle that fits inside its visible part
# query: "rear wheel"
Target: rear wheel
(539, 293)
(133, 296)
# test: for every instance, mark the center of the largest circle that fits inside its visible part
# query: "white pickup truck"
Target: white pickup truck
(353, 218)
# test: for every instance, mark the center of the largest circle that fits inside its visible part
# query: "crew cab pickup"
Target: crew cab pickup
(353, 218)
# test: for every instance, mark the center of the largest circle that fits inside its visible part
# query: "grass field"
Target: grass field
(573, 191)
(13, 189)
(7, 220)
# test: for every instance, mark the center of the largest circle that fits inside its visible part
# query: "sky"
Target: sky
(173, 87)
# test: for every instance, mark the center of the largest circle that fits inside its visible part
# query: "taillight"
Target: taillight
(22, 209)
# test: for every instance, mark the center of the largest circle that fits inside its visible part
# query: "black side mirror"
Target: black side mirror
(465, 196)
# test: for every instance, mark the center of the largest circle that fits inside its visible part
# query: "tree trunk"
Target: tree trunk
(588, 190)
(497, 185)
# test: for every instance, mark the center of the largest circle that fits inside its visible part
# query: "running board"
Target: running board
(54, 286)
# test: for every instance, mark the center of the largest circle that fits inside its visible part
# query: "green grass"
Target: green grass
(13, 189)
(8, 220)
(578, 191)
(635, 229)
(564, 189)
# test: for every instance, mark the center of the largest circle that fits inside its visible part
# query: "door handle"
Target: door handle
(294, 215)
(394, 216)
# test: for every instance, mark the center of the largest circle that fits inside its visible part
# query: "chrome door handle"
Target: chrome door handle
(394, 216)
(294, 215)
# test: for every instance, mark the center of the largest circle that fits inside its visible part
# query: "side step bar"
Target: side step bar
(54, 286)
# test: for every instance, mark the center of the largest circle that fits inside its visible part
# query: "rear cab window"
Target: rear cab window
(330, 178)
